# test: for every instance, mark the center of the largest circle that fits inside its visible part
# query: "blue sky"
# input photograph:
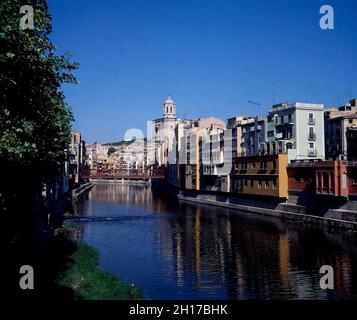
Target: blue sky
(211, 56)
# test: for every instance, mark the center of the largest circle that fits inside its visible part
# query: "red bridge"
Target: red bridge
(149, 173)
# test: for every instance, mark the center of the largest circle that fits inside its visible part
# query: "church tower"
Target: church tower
(169, 111)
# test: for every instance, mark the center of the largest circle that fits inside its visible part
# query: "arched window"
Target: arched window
(319, 180)
(332, 182)
(325, 176)
(273, 148)
(344, 181)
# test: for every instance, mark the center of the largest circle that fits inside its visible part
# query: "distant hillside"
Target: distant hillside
(119, 143)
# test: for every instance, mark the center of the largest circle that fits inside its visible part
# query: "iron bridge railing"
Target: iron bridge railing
(149, 173)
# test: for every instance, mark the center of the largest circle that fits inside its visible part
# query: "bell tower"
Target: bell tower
(169, 109)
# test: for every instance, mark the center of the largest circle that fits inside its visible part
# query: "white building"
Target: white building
(163, 133)
(298, 130)
(77, 156)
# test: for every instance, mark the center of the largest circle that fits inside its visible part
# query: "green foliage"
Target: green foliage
(67, 226)
(118, 143)
(35, 121)
(89, 282)
(111, 150)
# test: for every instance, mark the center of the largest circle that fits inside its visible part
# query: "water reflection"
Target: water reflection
(186, 251)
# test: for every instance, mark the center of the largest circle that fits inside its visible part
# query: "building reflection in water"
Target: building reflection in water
(213, 252)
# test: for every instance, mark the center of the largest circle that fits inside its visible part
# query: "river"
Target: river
(187, 251)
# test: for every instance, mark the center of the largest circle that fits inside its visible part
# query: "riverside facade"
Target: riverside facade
(288, 154)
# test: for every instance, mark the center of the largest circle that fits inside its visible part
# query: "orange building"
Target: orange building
(336, 178)
(261, 175)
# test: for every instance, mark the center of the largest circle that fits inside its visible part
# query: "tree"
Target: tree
(35, 121)
(111, 150)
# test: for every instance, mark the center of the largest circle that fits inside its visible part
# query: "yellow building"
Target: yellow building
(192, 167)
(190, 154)
(106, 163)
(261, 175)
(235, 124)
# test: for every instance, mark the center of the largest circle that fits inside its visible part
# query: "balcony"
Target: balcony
(312, 152)
(188, 170)
(287, 123)
(311, 121)
(210, 170)
(279, 136)
(284, 138)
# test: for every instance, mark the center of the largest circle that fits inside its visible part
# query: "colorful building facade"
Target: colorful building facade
(261, 175)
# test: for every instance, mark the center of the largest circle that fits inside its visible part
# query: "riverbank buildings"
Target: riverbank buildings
(261, 156)
(331, 183)
(77, 157)
(163, 133)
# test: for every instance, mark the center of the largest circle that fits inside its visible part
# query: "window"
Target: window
(253, 165)
(344, 181)
(259, 184)
(246, 182)
(281, 119)
(311, 145)
(266, 184)
(274, 184)
(319, 181)
(290, 118)
(280, 145)
(311, 118)
(252, 183)
(274, 165)
(325, 181)
(355, 179)
(297, 177)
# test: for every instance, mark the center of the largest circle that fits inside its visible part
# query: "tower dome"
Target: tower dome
(169, 109)
(169, 100)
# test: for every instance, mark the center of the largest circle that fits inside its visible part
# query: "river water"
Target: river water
(188, 251)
